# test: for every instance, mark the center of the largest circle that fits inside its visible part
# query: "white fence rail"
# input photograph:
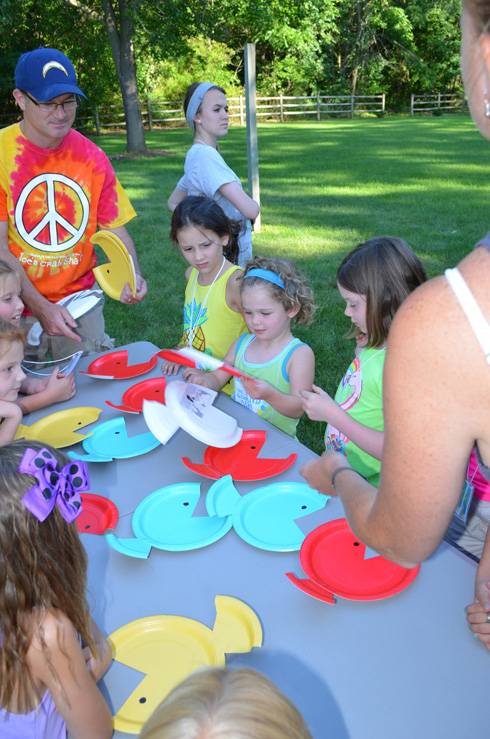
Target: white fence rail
(449, 103)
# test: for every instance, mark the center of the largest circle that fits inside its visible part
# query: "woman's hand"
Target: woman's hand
(318, 473)
(478, 614)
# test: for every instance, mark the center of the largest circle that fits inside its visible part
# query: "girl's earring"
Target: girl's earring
(487, 104)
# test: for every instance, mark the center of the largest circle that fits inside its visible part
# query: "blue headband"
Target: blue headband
(195, 102)
(266, 274)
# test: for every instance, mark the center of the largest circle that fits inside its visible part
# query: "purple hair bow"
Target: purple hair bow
(54, 485)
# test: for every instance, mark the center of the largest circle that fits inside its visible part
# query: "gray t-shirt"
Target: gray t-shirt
(205, 171)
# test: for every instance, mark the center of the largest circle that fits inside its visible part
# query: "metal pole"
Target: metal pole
(252, 144)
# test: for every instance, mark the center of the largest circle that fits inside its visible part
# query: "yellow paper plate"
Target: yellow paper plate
(169, 648)
(60, 429)
(120, 270)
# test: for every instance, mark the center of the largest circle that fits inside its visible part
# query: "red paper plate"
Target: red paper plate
(98, 514)
(240, 461)
(334, 559)
(114, 366)
(152, 389)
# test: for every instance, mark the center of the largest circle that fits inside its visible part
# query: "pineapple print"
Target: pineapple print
(194, 315)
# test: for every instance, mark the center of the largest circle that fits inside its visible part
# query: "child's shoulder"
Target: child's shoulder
(301, 351)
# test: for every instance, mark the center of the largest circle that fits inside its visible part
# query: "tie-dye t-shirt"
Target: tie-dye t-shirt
(54, 200)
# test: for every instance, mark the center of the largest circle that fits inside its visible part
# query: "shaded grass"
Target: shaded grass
(324, 188)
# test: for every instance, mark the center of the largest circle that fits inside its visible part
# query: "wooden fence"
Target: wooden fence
(448, 103)
(94, 119)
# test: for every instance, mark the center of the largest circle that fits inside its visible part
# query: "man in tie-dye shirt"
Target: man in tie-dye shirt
(56, 189)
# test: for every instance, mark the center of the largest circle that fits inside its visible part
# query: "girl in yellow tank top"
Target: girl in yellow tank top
(208, 240)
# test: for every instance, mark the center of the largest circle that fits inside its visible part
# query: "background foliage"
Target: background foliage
(303, 46)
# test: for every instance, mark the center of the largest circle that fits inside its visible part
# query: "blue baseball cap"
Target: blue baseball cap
(46, 73)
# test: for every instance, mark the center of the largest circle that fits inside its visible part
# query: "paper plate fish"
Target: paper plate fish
(120, 270)
(152, 389)
(60, 429)
(114, 366)
(110, 441)
(169, 648)
(336, 562)
(240, 461)
(164, 519)
(265, 518)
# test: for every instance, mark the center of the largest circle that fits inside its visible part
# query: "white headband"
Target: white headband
(195, 102)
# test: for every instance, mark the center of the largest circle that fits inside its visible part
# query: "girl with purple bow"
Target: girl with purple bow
(51, 652)
(205, 171)
(277, 366)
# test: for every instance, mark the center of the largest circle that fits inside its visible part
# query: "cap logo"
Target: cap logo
(50, 65)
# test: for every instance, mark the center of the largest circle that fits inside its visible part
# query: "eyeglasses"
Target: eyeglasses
(68, 105)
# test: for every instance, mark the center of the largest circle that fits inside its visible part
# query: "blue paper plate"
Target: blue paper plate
(265, 518)
(164, 519)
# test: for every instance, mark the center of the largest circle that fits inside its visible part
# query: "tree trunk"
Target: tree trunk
(122, 49)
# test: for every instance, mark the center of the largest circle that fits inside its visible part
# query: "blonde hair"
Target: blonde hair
(10, 333)
(297, 293)
(218, 703)
(43, 566)
(7, 271)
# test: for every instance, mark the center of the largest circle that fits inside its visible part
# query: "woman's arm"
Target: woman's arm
(176, 197)
(319, 406)
(73, 689)
(436, 404)
(239, 198)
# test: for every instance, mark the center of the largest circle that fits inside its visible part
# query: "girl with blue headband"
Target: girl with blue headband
(51, 651)
(273, 294)
(205, 171)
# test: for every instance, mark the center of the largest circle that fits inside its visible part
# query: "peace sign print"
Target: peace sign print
(56, 188)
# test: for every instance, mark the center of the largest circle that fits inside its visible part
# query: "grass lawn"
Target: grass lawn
(324, 188)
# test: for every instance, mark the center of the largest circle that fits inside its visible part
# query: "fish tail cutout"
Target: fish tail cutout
(237, 627)
(206, 470)
(21, 431)
(222, 497)
(312, 588)
(130, 547)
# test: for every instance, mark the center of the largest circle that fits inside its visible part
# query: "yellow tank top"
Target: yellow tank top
(214, 324)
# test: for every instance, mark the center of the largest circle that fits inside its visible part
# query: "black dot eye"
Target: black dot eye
(142, 700)
(303, 507)
(186, 503)
(252, 447)
(87, 526)
(356, 544)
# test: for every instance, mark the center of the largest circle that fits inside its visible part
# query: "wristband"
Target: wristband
(340, 469)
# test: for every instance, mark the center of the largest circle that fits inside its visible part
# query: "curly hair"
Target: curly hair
(219, 703)
(297, 293)
(201, 212)
(43, 566)
(384, 270)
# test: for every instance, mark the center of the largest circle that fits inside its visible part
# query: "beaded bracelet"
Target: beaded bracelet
(339, 469)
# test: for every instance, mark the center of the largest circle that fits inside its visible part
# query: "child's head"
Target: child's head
(282, 282)
(11, 305)
(197, 221)
(204, 105)
(382, 272)
(43, 564)
(12, 343)
(226, 704)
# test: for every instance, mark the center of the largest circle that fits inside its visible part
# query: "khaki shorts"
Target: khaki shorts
(90, 328)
